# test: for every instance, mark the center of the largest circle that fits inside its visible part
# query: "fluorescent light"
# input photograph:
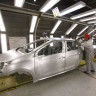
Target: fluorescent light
(71, 28)
(3, 43)
(19, 3)
(92, 31)
(34, 0)
(33, 23)
(83, 30)
(93, 21)
(62, 36)
(31, 40)
(51, 36)
(48, 5)
(89, 18)
(2, 26)
(72, 8)
(90, 12)
(56, 26)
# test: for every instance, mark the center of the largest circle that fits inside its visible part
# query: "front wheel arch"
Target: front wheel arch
(21, 71)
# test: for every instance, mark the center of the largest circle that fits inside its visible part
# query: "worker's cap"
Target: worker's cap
(87, 36)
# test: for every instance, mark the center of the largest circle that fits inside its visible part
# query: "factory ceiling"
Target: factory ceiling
(18, 24)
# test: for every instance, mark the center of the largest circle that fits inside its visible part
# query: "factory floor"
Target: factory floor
(73, 83)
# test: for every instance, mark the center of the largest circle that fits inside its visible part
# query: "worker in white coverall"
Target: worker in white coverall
(88, 47)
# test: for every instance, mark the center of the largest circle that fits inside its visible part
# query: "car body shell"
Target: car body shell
(41, 66)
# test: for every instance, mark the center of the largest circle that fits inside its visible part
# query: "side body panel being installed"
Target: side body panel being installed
(47, 60)
(72, 56)
(24, 64)
(47, 65)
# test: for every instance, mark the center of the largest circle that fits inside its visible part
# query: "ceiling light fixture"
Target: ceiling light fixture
(71, 28)
(34, 0)
(56, 26)
(90, 12)
(48, 5)
(19, 3)
(87, 19)
(92, 31)
(33, 23)
(51, 36)
(72, 8)
(82, 30)
(62, 36)
(3, 43)
(93, 21)
(2, 26)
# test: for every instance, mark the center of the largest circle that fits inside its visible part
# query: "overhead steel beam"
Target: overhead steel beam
(62, 19)
(18, 10)
(38, 20)
(37, 13)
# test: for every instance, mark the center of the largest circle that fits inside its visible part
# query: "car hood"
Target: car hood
(10, 55)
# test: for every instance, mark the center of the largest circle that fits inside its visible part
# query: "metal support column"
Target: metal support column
(36, 26)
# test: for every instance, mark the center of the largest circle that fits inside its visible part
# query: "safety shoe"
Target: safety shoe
(86, 72)
(92, 71)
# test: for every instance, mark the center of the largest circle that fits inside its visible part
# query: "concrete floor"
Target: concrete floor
(73, 83)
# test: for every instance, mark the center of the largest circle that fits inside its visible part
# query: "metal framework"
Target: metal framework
(33, 12)
(36, 13)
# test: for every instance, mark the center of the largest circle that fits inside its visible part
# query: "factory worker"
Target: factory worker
(89, 53)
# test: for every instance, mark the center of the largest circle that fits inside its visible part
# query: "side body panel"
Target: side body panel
(72, 59)
(24, 64)
(9, 55)
(47, 66)
(44, 66)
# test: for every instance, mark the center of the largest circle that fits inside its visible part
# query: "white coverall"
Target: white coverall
(88, 45)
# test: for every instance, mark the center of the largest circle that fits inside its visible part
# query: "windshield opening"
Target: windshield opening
(31, 46)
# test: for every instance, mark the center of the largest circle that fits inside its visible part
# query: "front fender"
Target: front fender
(10, 55)
(26, 66)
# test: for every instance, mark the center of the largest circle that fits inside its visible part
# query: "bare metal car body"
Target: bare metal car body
(53, 57)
